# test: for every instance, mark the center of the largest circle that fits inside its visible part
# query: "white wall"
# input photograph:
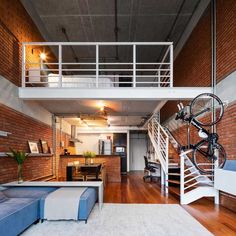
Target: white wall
(9, 97)
(90, 142)
(138, 149)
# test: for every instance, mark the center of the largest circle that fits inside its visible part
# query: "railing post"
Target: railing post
(167, 164)
(158, 136)
(23, 66)
(60, 64)
(167, 153)
(134, 65)
(97, 64)
(181, 178)
(171, 65)
(159, 77)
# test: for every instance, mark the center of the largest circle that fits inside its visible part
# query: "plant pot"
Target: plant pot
(19, 174)
(87, 161)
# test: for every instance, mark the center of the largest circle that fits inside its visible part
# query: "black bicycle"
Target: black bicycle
(199, 113)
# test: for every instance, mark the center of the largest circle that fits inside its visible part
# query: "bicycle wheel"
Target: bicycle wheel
(203, 105)
(205, 162)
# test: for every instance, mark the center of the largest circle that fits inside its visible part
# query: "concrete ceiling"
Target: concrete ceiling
(120, 113)
(94, 20)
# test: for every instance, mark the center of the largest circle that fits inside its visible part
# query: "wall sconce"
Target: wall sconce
(43, 56)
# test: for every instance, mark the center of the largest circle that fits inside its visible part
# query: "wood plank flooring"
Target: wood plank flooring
(218, 220)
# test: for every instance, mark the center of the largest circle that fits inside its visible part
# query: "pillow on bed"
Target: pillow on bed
(3, 197)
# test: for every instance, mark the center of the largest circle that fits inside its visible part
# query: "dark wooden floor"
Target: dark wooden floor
(218, 220)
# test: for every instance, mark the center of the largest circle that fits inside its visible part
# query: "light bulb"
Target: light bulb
(43, 56)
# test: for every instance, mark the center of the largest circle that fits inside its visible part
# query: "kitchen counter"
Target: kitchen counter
(111, 162)
(81, 156)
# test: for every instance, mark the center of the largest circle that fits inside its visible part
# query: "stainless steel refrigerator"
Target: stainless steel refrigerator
(105, 146)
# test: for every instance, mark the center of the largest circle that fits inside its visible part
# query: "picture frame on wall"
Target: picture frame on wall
(33, 146)
(44, 146)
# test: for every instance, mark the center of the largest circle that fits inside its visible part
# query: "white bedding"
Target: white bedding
(63, 204)
(80, 82)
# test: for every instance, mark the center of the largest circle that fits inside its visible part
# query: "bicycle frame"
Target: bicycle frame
(211, 138)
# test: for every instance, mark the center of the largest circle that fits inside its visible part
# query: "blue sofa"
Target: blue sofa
(86, 204)
(22, 206)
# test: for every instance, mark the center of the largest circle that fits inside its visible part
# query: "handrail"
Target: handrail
(98, 43)
(97, 72)
(160, 141)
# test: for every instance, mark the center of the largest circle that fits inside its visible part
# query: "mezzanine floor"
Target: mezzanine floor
(218, 220)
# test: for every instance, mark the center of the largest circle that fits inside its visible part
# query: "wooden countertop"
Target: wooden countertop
(97, 156)
(112, 165)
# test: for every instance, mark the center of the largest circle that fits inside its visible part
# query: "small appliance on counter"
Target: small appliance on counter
(105, 146)
(66, 153)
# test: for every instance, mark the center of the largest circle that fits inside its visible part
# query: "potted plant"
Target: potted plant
(19, 157)
(88, 155)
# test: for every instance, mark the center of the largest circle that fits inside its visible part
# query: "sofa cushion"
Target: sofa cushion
(16, 214)
(13, 205)
(3, 197)
(28, 192)
(230, 165)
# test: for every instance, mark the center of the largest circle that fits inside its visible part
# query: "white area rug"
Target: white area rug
(126, 219)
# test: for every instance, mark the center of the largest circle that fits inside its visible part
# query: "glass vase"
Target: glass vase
(19, 174)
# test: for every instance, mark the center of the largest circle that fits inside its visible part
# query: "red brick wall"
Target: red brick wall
(226, 35)
(23, 128)
(192, 67)
(16, 26)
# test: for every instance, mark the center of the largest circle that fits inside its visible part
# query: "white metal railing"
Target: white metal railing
(95, 72)
(190, 176)
(193, 183)
(160, 142)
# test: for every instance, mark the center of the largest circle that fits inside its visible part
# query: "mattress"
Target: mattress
(78, 81)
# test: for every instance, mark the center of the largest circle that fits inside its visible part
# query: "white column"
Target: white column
(134, 65)
(181, 178)
(23, 66)
(128, 150)
(162, 176)
(171, 65)
(59, 64)
(97, 64)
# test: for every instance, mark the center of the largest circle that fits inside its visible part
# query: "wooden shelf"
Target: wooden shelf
(3, 154)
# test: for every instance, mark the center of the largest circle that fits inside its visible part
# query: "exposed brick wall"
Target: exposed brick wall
(226, 35)
(60, 136)
(16, 26)
(225, 129)
(23, 128)
(192, 67)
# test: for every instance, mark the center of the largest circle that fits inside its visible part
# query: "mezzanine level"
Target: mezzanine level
(100, 70)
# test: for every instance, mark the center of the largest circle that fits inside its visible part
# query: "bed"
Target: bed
(78, 81)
